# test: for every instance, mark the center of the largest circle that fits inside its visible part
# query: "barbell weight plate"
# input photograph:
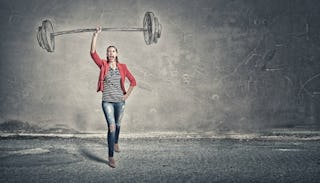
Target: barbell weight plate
(148, 25)
(159, 28)
(45, 36)
(39, 37)
(50, 38)
(156, 31)
(145, 26)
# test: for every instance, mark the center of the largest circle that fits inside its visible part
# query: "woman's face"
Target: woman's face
(111, 54)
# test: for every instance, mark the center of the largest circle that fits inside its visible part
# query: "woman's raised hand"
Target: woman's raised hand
(98, 30)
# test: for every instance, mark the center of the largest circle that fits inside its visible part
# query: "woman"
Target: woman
(111, 84)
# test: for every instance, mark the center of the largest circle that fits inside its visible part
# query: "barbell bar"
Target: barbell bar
(151, 31)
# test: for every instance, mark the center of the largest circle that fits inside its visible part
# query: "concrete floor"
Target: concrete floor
(43, 159)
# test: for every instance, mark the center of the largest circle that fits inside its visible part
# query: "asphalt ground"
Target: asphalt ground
(56, 159)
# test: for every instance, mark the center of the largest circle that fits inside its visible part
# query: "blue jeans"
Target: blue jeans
(113, 112)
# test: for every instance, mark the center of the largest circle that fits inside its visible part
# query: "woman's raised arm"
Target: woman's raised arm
(94, 39)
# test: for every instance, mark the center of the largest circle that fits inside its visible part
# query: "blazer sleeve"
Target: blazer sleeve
(95, 57)
(130, 77)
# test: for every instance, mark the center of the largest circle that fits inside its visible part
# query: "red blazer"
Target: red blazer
(104, 68)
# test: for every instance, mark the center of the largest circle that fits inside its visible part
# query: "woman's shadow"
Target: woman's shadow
(85, 152)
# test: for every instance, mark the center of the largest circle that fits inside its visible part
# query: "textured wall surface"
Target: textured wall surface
(220, 65)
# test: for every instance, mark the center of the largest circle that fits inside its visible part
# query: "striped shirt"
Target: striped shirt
(112, 91)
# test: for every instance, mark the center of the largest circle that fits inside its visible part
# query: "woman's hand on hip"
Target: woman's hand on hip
(125, 97)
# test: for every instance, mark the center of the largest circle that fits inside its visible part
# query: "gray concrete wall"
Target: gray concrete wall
(220, 65)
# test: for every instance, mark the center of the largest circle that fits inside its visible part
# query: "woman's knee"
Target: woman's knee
(112, 127)
(118, 125)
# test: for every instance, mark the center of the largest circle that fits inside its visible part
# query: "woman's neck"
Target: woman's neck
(113, 64)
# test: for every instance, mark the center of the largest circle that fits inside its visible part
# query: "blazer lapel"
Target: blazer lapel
(121, 70)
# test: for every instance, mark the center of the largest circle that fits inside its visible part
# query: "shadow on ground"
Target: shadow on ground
(90, 155)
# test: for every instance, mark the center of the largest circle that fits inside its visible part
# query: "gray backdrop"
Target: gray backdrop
(220, 65)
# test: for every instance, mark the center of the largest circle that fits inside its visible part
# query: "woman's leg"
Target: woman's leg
(118, 114)
(108, 109)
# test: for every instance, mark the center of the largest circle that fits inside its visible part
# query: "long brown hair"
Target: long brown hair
(116, 51)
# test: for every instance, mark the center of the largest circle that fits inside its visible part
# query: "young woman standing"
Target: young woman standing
(111, 83)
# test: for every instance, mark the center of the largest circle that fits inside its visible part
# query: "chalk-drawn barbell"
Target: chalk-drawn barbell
(151, 31)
